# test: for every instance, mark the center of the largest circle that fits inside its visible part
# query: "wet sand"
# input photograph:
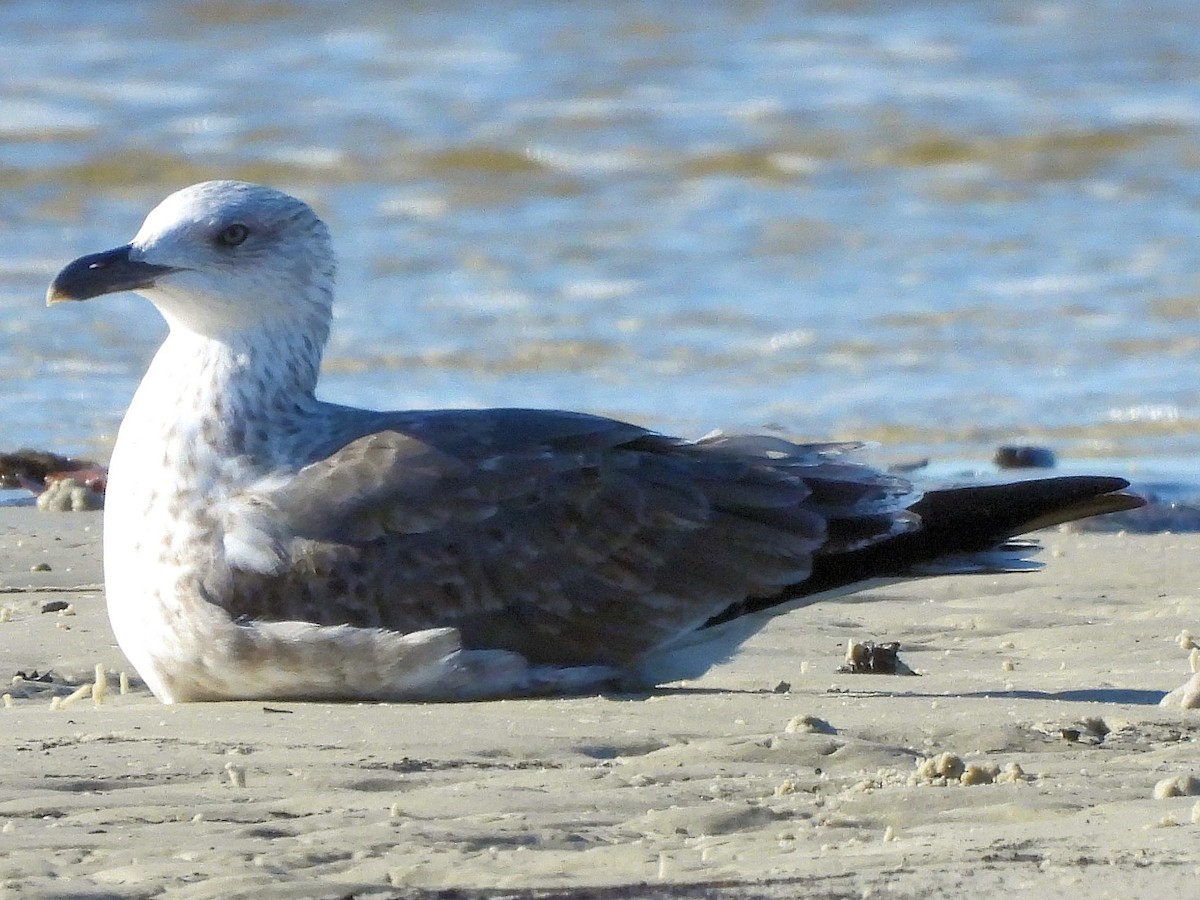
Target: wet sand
(774, 776)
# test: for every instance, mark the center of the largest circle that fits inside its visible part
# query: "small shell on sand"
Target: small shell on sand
(1179, 786)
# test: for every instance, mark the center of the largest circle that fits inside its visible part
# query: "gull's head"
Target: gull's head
(217, 258)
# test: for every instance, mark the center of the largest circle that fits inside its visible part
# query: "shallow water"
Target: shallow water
(941, 226)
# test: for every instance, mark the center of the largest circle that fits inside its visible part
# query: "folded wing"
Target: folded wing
(570, 539)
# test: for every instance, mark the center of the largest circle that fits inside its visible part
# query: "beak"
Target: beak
(103, 273)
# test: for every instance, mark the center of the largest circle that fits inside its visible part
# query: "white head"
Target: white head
(220, 258)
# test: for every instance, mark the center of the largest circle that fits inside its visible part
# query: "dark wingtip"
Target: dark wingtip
(965, 519)
(994, 511)
(1098, 505)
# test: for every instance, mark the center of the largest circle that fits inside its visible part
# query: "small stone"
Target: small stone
(1020, 456)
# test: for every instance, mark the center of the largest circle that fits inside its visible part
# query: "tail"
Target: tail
(962, 529)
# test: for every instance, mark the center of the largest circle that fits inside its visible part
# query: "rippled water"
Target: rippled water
(937, 225)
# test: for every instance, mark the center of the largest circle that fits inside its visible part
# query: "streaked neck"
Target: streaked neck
(232, 394)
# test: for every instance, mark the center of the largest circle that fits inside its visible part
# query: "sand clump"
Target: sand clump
(949, 768)
(69, 495)
(1177, 786)
(808, 725)
(870, 658)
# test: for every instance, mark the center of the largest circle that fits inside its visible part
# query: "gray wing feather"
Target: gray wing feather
(566, 538)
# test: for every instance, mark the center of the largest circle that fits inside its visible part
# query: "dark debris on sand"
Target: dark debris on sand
(30, 469)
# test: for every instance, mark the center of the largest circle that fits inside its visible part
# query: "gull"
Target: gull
(262, 543)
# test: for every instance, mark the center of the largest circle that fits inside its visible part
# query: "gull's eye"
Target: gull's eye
(232, 235)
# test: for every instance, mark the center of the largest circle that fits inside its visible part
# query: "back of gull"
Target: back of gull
(260, 543)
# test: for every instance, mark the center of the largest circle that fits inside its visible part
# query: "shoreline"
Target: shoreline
(728, 786)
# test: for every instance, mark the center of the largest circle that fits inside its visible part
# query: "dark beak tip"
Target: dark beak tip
(108, 272)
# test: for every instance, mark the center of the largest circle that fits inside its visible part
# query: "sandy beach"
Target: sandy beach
(775, 776)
